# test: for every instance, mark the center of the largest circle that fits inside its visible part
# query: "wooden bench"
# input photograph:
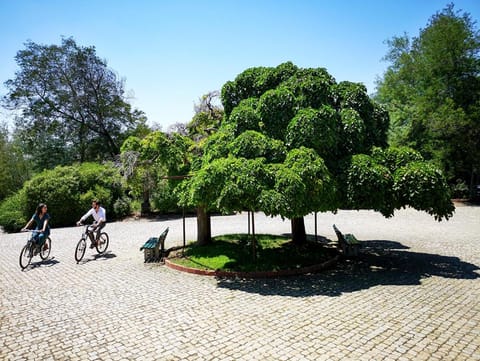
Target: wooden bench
(348, 244)
(154, 248)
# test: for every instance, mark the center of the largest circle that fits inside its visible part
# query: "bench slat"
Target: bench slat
(351, 239)
(348, 243)
(151, 243)
(154, 248)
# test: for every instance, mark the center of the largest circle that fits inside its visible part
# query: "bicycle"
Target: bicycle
(101, 244)
(32, 248)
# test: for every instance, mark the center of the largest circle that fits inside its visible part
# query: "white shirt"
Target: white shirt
(98, 216)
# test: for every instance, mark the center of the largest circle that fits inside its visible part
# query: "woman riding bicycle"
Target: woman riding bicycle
(99, 215)
(40, 217)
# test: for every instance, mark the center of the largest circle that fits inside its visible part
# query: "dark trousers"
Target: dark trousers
(98, 230)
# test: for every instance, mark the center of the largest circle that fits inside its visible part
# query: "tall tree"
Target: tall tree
(307, 144)
(206, 121)
(70, 104)
(432, 92)
(146, 160)
(14, 169)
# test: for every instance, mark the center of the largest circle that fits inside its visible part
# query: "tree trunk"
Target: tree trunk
(299, 236)
(204, 232)
(472, 183)
(146, 209)
(145, 206)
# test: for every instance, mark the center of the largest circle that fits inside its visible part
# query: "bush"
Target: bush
(68, 192)
(12, 213)
(460, 190)
(122, 207)
(58, 188)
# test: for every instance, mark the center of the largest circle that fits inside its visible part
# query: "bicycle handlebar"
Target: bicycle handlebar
(80, 223)
(88, 227)
(31, 230)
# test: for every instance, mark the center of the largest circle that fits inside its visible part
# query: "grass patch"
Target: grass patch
(233, 252)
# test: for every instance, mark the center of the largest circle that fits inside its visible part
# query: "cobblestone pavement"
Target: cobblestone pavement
(412, 295)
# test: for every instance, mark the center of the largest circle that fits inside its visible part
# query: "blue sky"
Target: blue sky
(172, 52)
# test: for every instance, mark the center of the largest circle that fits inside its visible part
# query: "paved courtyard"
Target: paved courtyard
(412, 295)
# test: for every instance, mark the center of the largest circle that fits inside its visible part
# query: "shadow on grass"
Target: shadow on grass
(381, 262)
(233, 252)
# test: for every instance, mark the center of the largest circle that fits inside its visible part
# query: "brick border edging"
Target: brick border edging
(260, 274)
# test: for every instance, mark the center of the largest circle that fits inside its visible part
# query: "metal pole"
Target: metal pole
(316, 227)
(183, 214)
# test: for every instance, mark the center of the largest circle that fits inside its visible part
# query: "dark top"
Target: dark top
(40, 221)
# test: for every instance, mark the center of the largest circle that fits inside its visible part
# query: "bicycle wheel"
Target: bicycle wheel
(45, 252)
(80, 250)
(26, 256)
(102, 243)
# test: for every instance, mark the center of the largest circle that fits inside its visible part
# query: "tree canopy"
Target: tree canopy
(207, 118)
(293, 141)
(432, 91)
(14, 169)
(70, 104)
(145, 161)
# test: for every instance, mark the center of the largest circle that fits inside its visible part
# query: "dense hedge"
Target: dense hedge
(68, 192)
(12, 212)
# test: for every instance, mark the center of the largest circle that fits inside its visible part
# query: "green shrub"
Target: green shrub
(12, 212)
(122, 207)
(68, 191)
(460, 189)
(135, 206)
(58, 188)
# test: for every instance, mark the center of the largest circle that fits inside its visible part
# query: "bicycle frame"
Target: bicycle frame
(32, 248)
(88, 228)
(101, 244)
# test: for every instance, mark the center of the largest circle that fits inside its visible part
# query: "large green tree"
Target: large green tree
(305, 144)
(70, 104)
(152, 160)
(432, 91)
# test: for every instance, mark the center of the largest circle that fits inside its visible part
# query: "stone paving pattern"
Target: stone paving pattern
(412, 295)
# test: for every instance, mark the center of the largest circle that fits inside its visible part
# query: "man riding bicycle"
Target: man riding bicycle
(99, 215)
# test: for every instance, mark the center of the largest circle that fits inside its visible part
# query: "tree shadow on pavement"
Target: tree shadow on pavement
(381, 262)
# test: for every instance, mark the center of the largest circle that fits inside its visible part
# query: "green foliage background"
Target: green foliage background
(68, 192)
(288, 141)
(431, 89)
